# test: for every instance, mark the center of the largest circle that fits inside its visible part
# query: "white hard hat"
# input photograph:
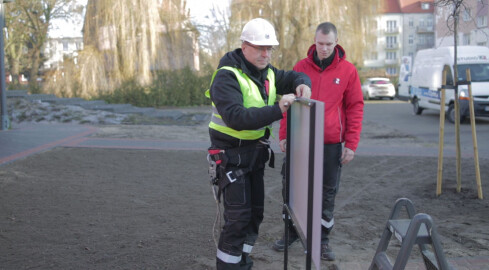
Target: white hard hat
(259, 32)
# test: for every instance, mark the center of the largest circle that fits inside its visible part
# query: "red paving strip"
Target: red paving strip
(45, 146)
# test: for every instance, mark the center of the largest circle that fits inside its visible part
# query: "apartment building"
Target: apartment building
(472, 24)
(57, 48)
(403, 28)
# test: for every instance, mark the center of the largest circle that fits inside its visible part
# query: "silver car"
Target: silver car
(378, 88)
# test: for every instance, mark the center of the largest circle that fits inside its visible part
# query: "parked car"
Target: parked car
(378, 88)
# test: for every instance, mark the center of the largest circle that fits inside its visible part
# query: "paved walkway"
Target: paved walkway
(28, 139)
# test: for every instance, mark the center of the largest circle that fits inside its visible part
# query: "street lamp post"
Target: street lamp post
(5, 121)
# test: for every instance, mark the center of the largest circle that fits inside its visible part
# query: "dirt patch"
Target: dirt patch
(82, 208)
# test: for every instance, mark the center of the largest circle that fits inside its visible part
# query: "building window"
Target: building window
(374, 56)
(411, 39)
(391, 70)
(391, 41)
(466, 39)
(390, 55)
(421, 39)
(466, 15)
(391, 26)
(425, 6)
(411, 22)
(482, 44)
(65, 45)
(481, 21)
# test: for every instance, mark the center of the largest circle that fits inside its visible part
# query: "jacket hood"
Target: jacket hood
(232, 59)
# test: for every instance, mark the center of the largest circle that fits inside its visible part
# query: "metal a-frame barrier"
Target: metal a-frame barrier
(418, 230)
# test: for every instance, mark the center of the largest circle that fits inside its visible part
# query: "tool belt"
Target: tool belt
(226, 166)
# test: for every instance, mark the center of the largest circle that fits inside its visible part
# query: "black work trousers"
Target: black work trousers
(331, 184)
(243, 202)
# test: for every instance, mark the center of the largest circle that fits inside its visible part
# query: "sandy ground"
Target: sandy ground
(82, 208)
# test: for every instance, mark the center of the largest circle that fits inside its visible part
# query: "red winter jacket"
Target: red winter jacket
(338, 86)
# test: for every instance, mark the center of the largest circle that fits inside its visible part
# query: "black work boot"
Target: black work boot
(246, 262)
(327, 253)
(279, 245)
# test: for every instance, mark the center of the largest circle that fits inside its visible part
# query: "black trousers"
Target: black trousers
(331, 184)
(243, 202)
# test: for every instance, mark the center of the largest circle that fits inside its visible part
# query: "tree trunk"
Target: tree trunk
(34, 70)
(14, 65)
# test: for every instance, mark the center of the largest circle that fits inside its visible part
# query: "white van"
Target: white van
(404, 78)
(426, 80)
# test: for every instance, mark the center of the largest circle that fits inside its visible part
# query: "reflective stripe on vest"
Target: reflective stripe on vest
(251, 98)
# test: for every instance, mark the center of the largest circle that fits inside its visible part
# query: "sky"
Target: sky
(63, 28)
(199, 9)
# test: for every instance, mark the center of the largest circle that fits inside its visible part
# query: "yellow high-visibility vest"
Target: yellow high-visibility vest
(251, 98)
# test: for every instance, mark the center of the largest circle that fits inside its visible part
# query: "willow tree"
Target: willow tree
(213, 39)
(296, 22)
(120, 42)
(130, 39)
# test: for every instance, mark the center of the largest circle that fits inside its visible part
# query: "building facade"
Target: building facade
(57, 49)
(403, 28)
(472, 24)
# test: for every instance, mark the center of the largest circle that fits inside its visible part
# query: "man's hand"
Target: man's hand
(286, 101)
(283, 145)
(303, 91)
(347, 156)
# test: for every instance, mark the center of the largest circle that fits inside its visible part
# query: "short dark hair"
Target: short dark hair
(326, 28)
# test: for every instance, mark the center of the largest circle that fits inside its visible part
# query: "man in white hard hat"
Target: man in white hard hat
(243, 93)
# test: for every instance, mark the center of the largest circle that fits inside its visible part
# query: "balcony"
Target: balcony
(391, 30)
(392, 46)
(429, 45)
(391, 62)
(425, 29)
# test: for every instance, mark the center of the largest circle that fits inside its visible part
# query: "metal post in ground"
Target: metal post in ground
(474, 136)
(5, 121)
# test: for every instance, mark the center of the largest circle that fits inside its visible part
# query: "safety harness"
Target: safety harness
(220, 176)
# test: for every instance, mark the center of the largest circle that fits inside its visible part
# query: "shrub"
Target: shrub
(169, 88)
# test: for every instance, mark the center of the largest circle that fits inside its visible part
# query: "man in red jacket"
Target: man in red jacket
(335, 82)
